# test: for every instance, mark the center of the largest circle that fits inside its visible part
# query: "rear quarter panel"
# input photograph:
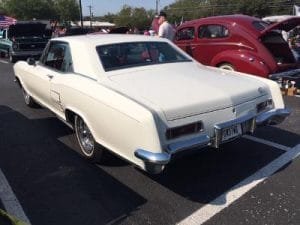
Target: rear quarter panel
(116, 122)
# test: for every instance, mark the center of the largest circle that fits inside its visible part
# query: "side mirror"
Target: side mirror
(31, 61)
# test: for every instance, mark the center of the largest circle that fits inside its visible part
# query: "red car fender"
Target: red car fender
(242, 61)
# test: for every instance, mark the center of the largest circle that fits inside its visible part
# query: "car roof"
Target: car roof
(102, 39)
(85, 57)
(226, 18)
(241, 20)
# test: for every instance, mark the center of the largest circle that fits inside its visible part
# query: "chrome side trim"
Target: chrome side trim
(156, 158)
(272, 117)
(202, 140)
(85, 76)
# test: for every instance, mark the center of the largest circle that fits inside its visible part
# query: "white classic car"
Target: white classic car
(143, 98)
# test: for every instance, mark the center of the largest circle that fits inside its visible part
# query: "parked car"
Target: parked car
(144, 98)
(238, 42)
(77, 31)
(24, 39)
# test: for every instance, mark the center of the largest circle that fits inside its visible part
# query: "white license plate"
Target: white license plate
(231, 132)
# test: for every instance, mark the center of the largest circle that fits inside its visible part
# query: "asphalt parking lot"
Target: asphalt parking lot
(254, 180)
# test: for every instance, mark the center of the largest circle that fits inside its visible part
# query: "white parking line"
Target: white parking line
(265, 142)
(10, 201)
(2, 61)
(217, 205)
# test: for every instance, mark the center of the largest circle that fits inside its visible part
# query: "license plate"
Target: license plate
(231, 132)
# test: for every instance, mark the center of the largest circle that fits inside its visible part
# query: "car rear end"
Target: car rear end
(273, 37)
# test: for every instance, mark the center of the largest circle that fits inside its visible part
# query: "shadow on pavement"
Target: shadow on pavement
(52, 185)
(204, 176)
(59, 187)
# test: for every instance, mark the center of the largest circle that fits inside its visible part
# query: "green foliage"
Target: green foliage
(134, 17)
(29, 9)
(67, 10)
(192, 9)
(110, 17)
(63, 10)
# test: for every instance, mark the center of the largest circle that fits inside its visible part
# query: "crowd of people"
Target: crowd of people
(160, 27)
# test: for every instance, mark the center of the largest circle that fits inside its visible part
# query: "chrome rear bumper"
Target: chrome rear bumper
(155, 162)
(272, 117)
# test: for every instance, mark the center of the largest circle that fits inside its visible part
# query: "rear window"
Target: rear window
(260, 25)
(133, 54)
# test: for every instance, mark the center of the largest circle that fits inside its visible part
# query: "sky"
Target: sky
(102, 7)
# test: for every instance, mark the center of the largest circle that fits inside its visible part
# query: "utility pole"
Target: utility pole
(80, 13)
(156, 6)
(91, 14)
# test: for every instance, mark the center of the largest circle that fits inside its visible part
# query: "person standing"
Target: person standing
(165, 29)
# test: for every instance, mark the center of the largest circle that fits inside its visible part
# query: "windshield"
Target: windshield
(133, 54)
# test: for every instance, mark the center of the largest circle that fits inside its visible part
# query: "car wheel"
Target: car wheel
(89, 149)
(226, 66)
(2, 54)
(28, 99)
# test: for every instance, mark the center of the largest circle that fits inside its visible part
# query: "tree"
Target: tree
(30, 9)
(110, 17)
(192, 9)
(123, 18)
(134, 17)
(141, 19)
(63, 10)
(66, 10)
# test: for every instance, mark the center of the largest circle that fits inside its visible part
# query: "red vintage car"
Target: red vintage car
(238, 42)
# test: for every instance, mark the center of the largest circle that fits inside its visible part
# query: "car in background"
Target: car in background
(77, 31)
(143, 98)
(23, 40)
(241, 43)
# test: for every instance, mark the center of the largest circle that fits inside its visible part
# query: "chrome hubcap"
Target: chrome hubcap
(26, 97)
(85, 137)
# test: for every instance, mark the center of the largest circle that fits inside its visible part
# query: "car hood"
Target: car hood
(285, 25)
(186, 89)
(26, 29)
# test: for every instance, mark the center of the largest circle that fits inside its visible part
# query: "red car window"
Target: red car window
(213, 31)
(187, 33)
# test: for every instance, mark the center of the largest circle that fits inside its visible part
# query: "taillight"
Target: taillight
(176, 132)
(268, 104)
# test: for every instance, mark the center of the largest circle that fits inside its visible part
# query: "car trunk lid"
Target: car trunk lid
(183, 90)
(273, 40)
(286, 25)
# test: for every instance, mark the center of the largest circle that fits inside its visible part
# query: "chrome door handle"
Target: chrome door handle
(50, 76)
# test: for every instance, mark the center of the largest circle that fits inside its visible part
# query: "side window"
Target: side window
(58, 57)
(187, 33)
(213, 31)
